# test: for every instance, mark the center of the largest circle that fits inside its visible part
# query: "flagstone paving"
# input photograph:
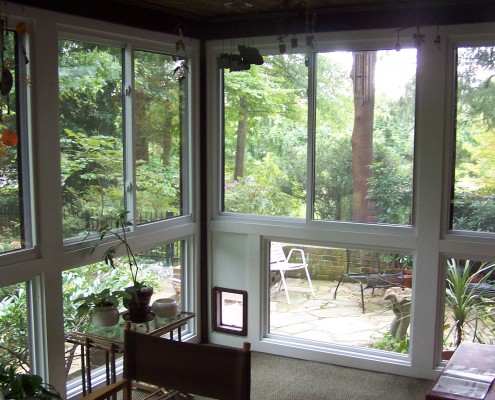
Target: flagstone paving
(326, 319)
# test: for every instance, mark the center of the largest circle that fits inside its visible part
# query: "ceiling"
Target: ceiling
(221, 10)
(221, 19)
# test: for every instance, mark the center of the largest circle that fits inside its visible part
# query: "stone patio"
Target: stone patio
(326, 319)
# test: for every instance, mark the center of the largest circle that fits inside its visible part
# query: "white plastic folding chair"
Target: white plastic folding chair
(279, 262)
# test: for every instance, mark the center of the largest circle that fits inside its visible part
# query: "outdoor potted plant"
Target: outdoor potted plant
(406, 261)
(462, 299)
(19, 386)
(103, 306)
(138, 304)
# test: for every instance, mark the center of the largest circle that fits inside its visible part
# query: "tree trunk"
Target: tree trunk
(363, 75)
(240, 154)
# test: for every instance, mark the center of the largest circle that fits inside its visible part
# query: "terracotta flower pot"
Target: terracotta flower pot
(407, 280)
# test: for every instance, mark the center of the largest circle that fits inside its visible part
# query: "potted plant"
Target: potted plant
(139, 302)
(462, 299)
(16, 385)
(406, 262)
(103, 306)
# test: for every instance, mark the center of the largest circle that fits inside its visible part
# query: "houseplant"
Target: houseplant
(103, 306)
(16, 386)
(139, 302)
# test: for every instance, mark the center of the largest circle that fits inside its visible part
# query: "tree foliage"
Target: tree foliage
(94, 146)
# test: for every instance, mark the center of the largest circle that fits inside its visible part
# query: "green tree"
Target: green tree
(265, 128)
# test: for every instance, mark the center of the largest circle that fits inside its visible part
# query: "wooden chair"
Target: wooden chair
(212, 371)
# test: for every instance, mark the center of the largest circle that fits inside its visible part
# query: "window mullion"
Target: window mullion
(128, 132)
(310, 183)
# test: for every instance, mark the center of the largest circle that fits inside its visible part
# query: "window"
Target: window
(473, 204)
(469, 294)
(160, 268)
(91, 137)
(159, 110)
(365, 136)
(15, 222)
(360, 297)
(99, 174)
(265, 138)
(14, 327)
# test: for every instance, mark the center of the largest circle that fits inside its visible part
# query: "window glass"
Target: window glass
(365, 111)
(91, 136)
(159, 109)
(160, 268)
(351, 297)
(469, 293)
(473, 205)
(13, 194)
(14, 329)
(265, 138)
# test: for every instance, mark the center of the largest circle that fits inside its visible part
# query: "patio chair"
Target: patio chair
(279, 262)
(173, 368)
(373, 276)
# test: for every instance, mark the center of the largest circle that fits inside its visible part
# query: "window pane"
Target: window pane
(365, 136)
(361, 297)
(13, 197)
(90, 90)
(14, 330)
(473, 205)
(160, 268)
(159, 110)
(469, 294)
(265, 131)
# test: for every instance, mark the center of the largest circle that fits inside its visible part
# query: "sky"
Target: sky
(393, 69)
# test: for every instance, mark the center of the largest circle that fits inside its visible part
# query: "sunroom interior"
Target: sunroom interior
(353, 136)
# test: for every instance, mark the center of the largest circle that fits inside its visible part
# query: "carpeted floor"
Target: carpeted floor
(284, 378)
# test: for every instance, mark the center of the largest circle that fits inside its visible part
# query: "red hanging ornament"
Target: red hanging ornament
(10, 138)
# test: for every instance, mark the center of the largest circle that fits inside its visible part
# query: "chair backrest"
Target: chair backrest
(277, 254)
(205, 370)
(360, 262)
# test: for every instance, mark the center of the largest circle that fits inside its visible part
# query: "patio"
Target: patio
(326, 319)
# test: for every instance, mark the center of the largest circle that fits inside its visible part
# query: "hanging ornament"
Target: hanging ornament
(397, 45)
(10, 138)
(180, 61)
(281, 45)
(418, 39)
(6, 82)
(21, 29)
(438, 40)
(294, 42)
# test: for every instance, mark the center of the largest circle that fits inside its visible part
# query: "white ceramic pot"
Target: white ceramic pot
(105, 316)
(165, 308)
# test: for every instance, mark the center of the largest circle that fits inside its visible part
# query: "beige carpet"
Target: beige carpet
(284, 378)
